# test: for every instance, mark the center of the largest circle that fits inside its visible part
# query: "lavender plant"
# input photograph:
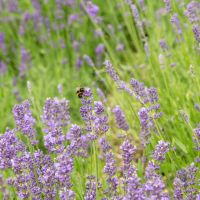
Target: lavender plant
(37, 174)
(135, 142)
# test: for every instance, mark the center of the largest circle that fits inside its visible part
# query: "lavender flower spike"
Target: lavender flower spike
(99, 49)
(145, 125)
(161, 149)
(64, 167)
(25, 121)
(111, 71)
(135, 13)
(55, 113)
(196, 31)
(10, 146)
(128, 151)
(110, 169)
(193, 11)
(92, 9)
(53, 141)
(134, 186)
(176, 22)
(168, 5)
(178, 189)
(120, 118)
(91, 189)
(88, 60)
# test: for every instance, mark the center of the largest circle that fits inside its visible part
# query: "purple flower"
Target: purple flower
(176, 22)
(196, 31)
(187, 181)
(135, 13)
(196, 138)
(72, 18)
(120, 118)
(79, 63)
(168, 5)
(98, 32)
(24, 120)
(13, 6)
(56, 113)
(115, 77)
(96, 122)
(74, 132)
(25, 59)
(153, 95)
(1, 38)
(3, 68)
(78, 142)
(36, 5)
(92, 9)
(86, 108)
(27, 16)
(100, 124)
(111, 71)
(90, 189)
(154, 187)
(139, 89)
(10, 146)
(143, 114)
(178, 189)
(120, 47)
(26, 176)
(63, 168)
(88, 60)
(110, 169)
(98, 107)
(161, 149)
(99, 49)
(147, 50)
(123, 86)
(60, 88)
(46, 175)
(76, 45)
(134, 188)
(54, 140)
(67, 194)
(145, 125)
(193, 11)
(110, 166)
(128, 151)
(142, 5)
(105, 145)
(2, 43)
(197, 107)
(163, 45)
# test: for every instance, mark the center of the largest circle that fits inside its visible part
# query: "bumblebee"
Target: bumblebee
(79, 92)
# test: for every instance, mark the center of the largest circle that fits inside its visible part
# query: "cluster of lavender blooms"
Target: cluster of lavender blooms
(140, 24)
(37, 20)
(175, 21)
(37, 173)
(184, 183)
(120, 118)
(193, 14)
(148, 98)
(93, 11)
(196, 137)
(168, 5)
